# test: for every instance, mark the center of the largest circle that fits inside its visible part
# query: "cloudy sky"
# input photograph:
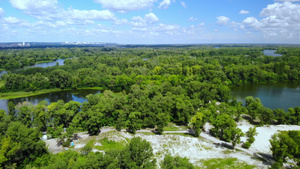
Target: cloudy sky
(151, 21)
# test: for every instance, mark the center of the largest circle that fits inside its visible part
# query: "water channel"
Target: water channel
(44, 65)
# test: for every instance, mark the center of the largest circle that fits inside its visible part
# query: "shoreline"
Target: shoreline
(20, 94)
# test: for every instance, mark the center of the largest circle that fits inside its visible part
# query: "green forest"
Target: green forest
(144, 87)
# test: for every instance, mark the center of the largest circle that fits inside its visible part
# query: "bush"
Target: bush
(247, 145)
(176, 162)
(87, 148)
(66, 143)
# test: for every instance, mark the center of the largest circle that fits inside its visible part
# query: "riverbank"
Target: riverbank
(20, 94)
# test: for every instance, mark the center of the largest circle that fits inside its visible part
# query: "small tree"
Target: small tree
(94, 123)
(198, 123)
(162, 121)
(138, 154)
(134, 122)
(250, 137)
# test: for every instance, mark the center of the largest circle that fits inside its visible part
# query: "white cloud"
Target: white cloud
(280, 20)
(33, 4)
(151, 18)
(126, 5)
(193, 19)
(121, 21)
(183, 4)
(12, 20)
(2, 13)
(166, 27)
(89, 14)
(288, 0)
(244, 12)
(48, 10)
(164, 4)
(148, 19)
(222, 20)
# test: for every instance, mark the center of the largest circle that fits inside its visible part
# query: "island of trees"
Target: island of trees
(144, 87)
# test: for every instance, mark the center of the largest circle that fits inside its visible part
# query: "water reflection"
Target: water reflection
(66, 96)
(271, 53)
(44, 65)
(281, 95)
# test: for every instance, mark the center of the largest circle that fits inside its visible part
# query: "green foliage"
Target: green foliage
(285, 144)
(94, 122)
(88, 147)
(254, 107)
(137, 154)
(198, 121)
(247, 145)
(226, 128)
(178, 85)
(108, 145)
(162, 121)
(176, 163)
(134, 122)
(250, 134)
(224, 163)
(20, 143)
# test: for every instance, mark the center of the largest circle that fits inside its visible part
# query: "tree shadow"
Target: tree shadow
(223, 145)
(267, 159)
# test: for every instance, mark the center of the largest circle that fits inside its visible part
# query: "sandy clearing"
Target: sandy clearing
(265, 133)
(195, 149)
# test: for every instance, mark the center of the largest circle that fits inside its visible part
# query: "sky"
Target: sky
(150, 21)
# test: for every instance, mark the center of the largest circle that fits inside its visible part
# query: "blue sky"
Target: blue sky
(150, 21)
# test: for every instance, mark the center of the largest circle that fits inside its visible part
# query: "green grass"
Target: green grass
(110, 145)
(44, 61)
(225, 163)
(92, 88)
(13, 95)
(173, 127)
(19, 94)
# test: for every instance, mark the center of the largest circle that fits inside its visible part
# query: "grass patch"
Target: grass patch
(47, 61)
(19, 94)
(227, 152)
(225, 163)
(13, 95)
(173, 127)
(110, 145)
(92, 88)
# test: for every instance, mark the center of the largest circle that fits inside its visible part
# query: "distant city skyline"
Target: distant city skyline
(151, 21)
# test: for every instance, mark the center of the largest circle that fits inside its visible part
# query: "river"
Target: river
(279, 95)
(44, 65)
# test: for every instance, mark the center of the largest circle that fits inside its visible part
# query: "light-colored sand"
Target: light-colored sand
(195, 149)
(262, 143)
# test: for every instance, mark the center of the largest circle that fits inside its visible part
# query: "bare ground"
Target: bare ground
(195, 149)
